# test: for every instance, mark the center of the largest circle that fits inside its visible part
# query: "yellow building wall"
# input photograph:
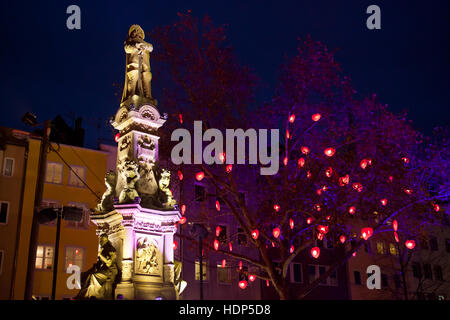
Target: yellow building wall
(95, 163)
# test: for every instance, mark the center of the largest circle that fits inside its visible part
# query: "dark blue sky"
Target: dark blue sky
(48, 69)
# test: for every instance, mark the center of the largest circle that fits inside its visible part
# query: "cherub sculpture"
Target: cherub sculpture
(107, 202)
(129, 171)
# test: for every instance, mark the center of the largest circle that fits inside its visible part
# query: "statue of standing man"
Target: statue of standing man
(137, 74)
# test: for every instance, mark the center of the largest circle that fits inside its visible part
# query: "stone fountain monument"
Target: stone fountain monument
(137, 212)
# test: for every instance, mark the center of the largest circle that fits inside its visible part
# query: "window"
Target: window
(393, 249)
(447, 245)
(433, 244)
(223, 274)
(381, 248)
(222, 235)
(417, 271)
(384, 280)
(315, 271)
(424, 244)
(438, 273)
(428, 274)
(8, 167)
(242, 238)
(2, 254)
(357, 276)
(84, 223)
(199, 193)
(296, 272)
(51, 204)
(204, 270)
(73, 179)
(4, 210)
(44, 257)
(74, 256)
(397, 281)
(54, 172)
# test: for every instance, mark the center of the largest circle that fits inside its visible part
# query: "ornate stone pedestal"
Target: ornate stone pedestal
(143, 239)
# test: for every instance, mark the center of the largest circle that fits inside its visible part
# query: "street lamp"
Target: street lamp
(50, 214)
(31, 120)
(198, 230)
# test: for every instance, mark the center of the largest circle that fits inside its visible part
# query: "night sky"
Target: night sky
(48, 69)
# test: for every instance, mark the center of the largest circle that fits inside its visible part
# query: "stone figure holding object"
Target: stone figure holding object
(99, 281)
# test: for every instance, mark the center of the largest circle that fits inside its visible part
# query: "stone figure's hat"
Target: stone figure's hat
(138, 29)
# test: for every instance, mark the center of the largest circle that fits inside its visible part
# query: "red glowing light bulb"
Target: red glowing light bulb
(410, 244)
(200, 175)
(342, 239)
(229, 167)
(405, 160)
(276, 207)
(408, 191)
(396, 237)
(267, 283)
(77, 251)
(251, 277)
(301, 162)
(117, 137)
(391, 178)
(291, 250)
(328, 218)
(230, 246)
(363, 164)
(352, 210)
(217, 205)
(305, 150)
(216, 244)
(317, 207)
(383, 201)
(292, 118)
(183, 220)
(308, 174)
(320, 236)
(240, 265)
(395, 225)
(329, 172)
(323, 229)
(309, 220)
(242, 284)
(319, 191)
(255, 234)
(315, 252)
(276, 232)
(287, 134)
(366, 233)
(180, 116)
(357, 186)
(224, 262)
(436, 207)
(218, 231)
(183, 209)
(329, 152)
(354, 254)
(291, 223)
(180, 175)
(285, 161)
(316, 117)
(222, 157)
(175, 245)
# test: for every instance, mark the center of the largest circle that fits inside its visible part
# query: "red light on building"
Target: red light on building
(276, 207)
(317, 207)
(180, 175)
(410, 244)
(408, 191)
(217, 205)
(305, 150)
(320, 236)
(395, 225)
(276, 232)
(383, 201)
(291, 250)
(309, 220)
(291, 223)
(292, 118)
(183, 209)
(308, 174)
(175, 245)
(358, 187)
(200, 175)
(316, 117)
(315, 252)
(224, 263)
(229, 168)
(222, 157)
(255, 234)
(218, 231)
(363, 164)
(240, 265)
(180, 117)
(436, 207)
(391, 178)
(230, 246)
(323, 229)
(117, 137)
(329, 172)
(405, 160)
(251, 277)
(287, 134)
(329, 152)
(285, 161)
(352, 210)
(319, 191)
(396, 237)
(342, 239)
(183, 220)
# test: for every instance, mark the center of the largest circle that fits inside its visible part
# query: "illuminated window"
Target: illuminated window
(204, 270)
(296, 272)
(223, 274)
(381, 248)
(44, 257)
(8, 167)
(73, 179)
(54, 172)
(393, 249)
(4, 210)
(50, 204)
(74, 256)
